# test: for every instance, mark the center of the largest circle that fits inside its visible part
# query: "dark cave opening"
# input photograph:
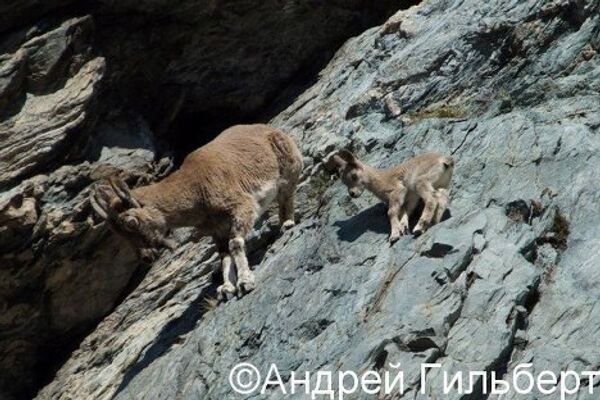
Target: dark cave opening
(190, 130)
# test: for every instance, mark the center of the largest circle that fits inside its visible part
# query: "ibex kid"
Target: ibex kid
(426, 176)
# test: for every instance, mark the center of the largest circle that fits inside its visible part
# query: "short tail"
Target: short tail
(287, 152)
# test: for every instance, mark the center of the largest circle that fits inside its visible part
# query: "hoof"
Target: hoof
(225, 292)
(287, 225)
(245, 286)
(393, 239)
(418, 231)
(225, 297)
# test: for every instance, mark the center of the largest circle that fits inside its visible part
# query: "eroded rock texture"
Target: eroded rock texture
(510, 88)
(93, 89)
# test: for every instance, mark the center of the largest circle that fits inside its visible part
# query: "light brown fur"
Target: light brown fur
(221, 189)
(425, 177)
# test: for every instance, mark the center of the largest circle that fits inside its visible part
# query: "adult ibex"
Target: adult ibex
(426, 176)
(221, 189)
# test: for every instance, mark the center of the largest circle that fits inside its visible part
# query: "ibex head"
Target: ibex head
(351, 171)
(145, 227)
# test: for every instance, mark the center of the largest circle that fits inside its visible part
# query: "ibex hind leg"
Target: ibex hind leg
(291, 172)
(242, 222)
(285, 199)
(427, 193)
(227, 290)
(409, 207)
(443, 198)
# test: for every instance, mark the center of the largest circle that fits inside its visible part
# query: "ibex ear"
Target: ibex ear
(348, 157)
(340, 160)
(335, 163)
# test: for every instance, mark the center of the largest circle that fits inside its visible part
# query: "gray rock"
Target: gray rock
(510, 88)
(83, 98)
(52, 97)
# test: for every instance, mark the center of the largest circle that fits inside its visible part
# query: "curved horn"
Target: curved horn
(347, 156)
(99, 200)
(97, 207)
(122, 190)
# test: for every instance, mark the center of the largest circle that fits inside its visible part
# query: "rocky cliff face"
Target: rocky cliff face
(92, 90)
(510, 88)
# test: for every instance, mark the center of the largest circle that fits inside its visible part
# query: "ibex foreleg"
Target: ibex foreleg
(395, 210)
